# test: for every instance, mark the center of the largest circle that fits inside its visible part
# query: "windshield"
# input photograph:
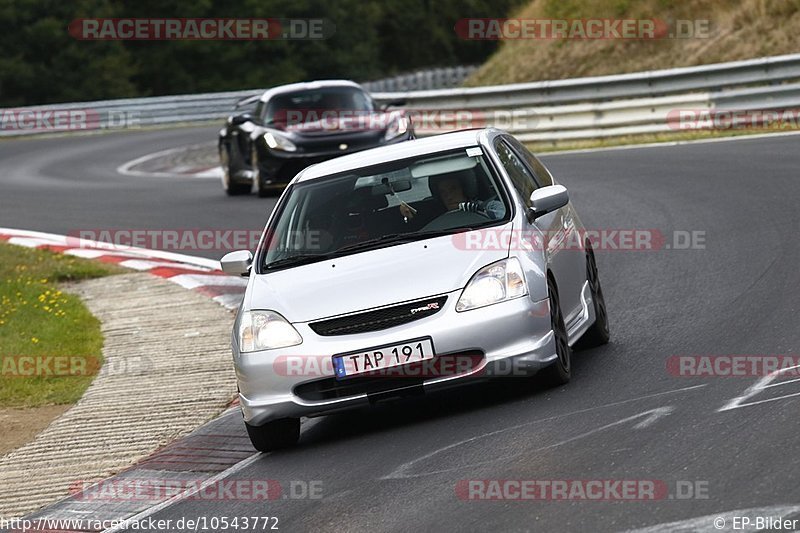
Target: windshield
(384, 205)
(309, 105)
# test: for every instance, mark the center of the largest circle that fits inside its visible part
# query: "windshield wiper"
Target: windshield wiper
(296, 260)
(441, 232)
(383, 239)
(394, 238)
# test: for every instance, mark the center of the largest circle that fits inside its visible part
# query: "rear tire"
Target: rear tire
(598, 333)
(275, 435)
(560, 372)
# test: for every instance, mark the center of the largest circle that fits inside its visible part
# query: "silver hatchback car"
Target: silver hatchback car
(408, 268)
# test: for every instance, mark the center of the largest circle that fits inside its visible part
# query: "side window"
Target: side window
(520, 175)
(543, 176)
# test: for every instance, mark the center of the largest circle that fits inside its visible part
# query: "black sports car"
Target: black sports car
(294, 126)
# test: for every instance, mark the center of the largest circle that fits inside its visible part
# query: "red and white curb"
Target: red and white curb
(195, 273)
(187, 385)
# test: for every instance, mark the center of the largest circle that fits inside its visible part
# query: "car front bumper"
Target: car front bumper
(511, 338)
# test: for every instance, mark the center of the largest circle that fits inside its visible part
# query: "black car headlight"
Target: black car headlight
(276, 141)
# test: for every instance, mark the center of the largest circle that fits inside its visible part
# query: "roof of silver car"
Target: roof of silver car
(307, 86)
(401, 150)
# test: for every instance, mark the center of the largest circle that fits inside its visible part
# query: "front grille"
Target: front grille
(386, 382)
(326, 142)
(384, 318)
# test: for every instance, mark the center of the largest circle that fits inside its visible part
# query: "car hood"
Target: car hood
(371, 279)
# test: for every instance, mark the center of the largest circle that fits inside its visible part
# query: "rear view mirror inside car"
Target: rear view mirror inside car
(442, 165)
(388, 186)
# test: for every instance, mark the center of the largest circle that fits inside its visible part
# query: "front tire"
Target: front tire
(598, 333)
(275, 435)
(261, 190)
(560, 372)
(231, 188)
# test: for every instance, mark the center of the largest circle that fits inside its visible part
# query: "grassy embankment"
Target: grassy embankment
(738, 29)
(38, 319)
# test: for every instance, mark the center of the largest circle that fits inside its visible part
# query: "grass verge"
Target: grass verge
(38, 319)
(720, 31)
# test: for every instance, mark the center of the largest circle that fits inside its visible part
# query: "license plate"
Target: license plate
(388, 356)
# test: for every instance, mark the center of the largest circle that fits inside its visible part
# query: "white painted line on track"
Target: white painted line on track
(781, 383)
(126, 168)
(757, 387)
(654, 414)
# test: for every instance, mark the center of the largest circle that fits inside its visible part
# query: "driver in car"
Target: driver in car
(450, 190)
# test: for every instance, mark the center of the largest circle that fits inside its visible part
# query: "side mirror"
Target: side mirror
(548, 199)
(237, 263)
(235, 120)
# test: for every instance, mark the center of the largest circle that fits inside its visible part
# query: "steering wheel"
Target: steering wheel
(454, 219)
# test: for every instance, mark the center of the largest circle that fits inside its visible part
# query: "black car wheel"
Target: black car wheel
(231, 188)
(258, 180)
(598, 334)
(560, 371)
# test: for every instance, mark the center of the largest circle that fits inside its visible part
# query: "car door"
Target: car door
(565, 259)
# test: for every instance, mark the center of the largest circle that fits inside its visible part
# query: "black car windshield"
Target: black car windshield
(310, 105)
(385, 205)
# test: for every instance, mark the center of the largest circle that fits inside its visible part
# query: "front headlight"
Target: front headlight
(265, 330)
(398, 127)
(279, 142)
(494, 283)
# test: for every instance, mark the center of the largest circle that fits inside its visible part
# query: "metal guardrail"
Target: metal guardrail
(599, 106)
(436, 78)
(716, 76)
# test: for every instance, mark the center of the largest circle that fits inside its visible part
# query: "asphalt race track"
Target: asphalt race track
(396, 467)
